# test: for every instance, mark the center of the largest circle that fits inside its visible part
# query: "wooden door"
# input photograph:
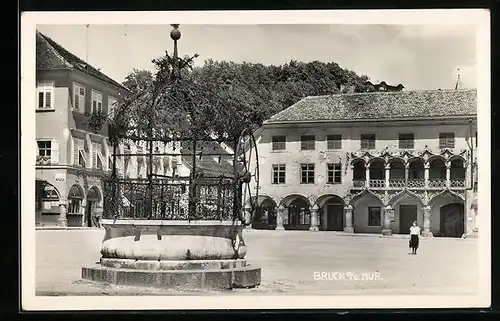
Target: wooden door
(452, 220)
(407, 215)
(335, 217)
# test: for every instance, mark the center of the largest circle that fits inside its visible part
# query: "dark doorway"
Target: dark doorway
(452, 220)
(407, 215)
(334, 217)
(299, 216)
(88, 213)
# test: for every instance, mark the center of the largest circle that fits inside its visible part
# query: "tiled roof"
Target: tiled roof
(51, 55)
(381, 105)
(207, 164)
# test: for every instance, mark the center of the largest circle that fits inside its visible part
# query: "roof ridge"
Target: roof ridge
(54, 50)
(390, 92)
(78, 63)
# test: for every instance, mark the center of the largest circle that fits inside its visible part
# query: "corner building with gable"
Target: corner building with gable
(371, 163)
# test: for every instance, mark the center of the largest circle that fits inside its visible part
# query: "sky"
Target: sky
(417, 56)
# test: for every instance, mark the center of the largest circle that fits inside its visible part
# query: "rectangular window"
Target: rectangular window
(406, 141)
(78, 97)
(279, 174)
(334, 141)
(307, 174)
(112, 104)
(374, 218)
(44, 148)
(96, 101)
(368, 141)
(307, 142)
(81, 158)
(45, 95)
(99, 163)
(279, 142)
(446, 140)
(334, 175)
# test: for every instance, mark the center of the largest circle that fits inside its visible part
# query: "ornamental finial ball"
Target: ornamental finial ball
(175, 34)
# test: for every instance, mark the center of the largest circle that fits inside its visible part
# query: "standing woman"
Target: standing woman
(414, 237)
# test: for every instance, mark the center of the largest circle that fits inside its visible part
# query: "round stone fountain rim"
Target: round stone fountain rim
(169, 222)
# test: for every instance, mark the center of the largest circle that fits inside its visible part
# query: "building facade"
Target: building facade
(371, 163)
(71, 160)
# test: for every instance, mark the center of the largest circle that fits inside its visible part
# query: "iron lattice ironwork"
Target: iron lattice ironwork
(176, 121)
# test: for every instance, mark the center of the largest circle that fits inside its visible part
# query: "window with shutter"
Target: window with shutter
(112, 104)
(406, 141)
(446, 140)
(95, 150)
(334, 141)
(45, 95)
(279, 142)
(81, 158)
(54, 157)
(368, 141)
(79, 97)
(44, 147)
(307, 142)
(96, 101)
(75, 151)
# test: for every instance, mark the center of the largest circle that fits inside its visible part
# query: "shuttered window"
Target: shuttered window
(368, 141)
(96, 101)
(45, 95)
(307, 142)
(112, 104)
(446, 140)
(279, 142)
(78, 97)
(334, 141)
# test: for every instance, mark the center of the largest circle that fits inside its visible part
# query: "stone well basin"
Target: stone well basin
(172, 240)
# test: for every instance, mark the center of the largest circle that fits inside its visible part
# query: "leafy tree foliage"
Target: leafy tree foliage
(267, 89)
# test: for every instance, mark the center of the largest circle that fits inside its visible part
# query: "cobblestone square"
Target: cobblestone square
(292, 262)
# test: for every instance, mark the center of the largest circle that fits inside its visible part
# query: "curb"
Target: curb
(393, 236)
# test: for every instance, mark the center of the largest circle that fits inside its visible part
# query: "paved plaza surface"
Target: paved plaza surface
(292, 262)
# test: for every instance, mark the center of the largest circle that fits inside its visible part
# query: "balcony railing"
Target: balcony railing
(397, 183)
(359, 183)
(377, 183)
(43, 160)
(437, 183)
(412, 183)
(416, 183)
(457, 183)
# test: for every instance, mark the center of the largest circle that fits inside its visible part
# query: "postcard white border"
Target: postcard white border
(29, 20)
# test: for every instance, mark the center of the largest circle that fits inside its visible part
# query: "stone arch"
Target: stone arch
(49, 192)
(292, 197)
(375, 159)
(364, 193)
(396, 168)
(94, 194)
(76, 196)
(439, 213)
(297, 212)
(404, 193)
(325, 198)
(458, 157)
(367, 212)
(434, 157)
(452, 196)
(76, 191)
(265, 213)
(331, 212)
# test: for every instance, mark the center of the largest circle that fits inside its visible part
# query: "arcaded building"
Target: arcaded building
(371, 163)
